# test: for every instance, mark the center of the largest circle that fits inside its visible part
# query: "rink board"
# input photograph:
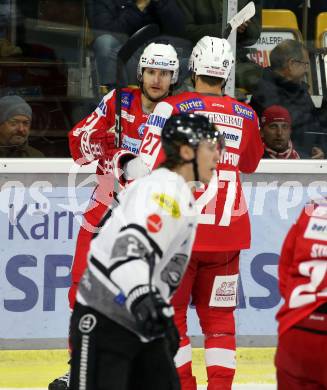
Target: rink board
(40, 217)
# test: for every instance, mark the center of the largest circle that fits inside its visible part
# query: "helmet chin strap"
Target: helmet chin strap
(195, 169)
(194, 162)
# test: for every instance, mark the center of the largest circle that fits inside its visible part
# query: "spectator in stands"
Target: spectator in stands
(15, 125)
(283, 84)
(114, 21)
(276, 127)
(204, 17)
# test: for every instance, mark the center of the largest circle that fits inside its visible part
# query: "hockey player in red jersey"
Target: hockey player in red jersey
(212, 276)
(302, 333)
(93, 139)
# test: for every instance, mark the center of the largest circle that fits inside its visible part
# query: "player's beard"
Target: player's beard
(154, 100)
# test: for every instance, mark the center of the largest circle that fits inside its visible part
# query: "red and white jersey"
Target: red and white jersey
(224, 222)
(303, 266)
(93, 137)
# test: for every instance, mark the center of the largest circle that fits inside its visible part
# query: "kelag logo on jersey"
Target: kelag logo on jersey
(140, 130)
(191, 105)
(243, 111)
(126, 99)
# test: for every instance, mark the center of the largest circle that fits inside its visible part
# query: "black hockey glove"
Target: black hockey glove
(152, 314)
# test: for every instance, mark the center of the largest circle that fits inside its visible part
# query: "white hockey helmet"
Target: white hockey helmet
(213, 57)
(159, 56)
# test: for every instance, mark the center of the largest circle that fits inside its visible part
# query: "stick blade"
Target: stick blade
(245, 14)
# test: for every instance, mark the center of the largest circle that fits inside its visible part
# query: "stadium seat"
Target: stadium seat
(321, 30)
(277, 25)
(279, 19)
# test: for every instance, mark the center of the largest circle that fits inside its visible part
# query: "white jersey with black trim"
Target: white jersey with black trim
(153, 224)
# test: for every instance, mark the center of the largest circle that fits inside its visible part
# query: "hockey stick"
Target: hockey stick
(242, 16)
(138, 39)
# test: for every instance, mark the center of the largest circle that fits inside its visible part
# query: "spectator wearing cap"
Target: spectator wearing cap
(276, 128)
(15, 125)
(283, 84)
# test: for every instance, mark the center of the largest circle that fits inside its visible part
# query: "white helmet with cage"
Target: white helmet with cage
(159, 56)
(213, 57)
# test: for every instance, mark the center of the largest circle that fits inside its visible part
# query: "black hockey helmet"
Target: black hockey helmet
(187, 129)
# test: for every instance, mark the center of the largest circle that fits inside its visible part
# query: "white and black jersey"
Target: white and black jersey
(150, 233)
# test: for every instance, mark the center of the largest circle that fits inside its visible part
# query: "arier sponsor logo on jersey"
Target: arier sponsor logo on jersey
(131, 144)
(223, 119)
(191, 105)
(233, 137)
(316, 229)
(167, 203)
(243, 111)
(156, 120)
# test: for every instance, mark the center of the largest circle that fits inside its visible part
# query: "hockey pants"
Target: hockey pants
(301, 357)
(108, 356)
(211, 282)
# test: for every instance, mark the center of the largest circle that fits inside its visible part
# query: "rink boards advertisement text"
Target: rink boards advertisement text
(39, 226)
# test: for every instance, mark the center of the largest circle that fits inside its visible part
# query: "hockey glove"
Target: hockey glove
(119, 161)
(152, 314)
(97, 144)
(136, 168)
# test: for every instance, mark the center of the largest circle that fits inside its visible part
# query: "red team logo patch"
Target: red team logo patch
(154, 223)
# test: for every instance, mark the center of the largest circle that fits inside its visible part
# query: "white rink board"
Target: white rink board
(39, 233)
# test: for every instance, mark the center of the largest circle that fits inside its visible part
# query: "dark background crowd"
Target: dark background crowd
(61, 60)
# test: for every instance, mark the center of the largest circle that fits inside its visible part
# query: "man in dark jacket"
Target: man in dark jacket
(283, 84)
(114, 21)
(204, 17)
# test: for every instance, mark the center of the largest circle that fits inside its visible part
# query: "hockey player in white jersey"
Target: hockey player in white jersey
(122, 333)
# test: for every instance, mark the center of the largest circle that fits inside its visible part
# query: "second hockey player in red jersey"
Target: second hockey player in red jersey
(302, 334)
(212, 276)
